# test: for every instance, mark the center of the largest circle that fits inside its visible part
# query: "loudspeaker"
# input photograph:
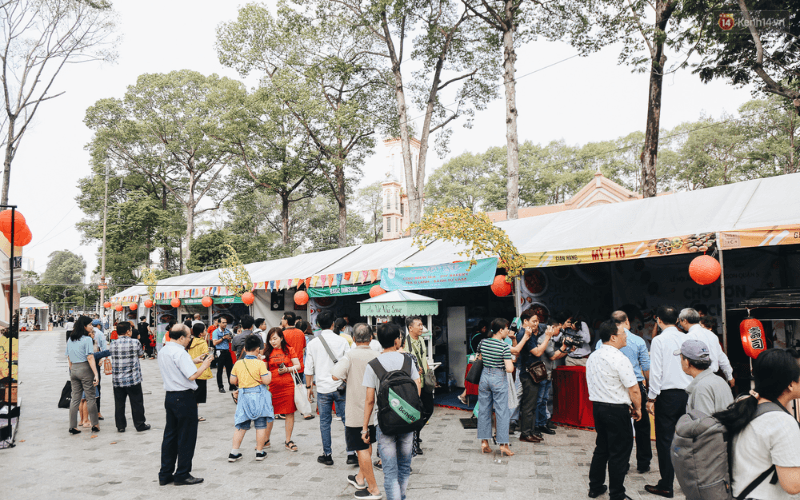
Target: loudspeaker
(277, 300)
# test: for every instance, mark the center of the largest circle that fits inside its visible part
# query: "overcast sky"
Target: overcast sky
(580, 100)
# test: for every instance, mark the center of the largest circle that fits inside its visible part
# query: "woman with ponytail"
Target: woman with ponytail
(772, 438)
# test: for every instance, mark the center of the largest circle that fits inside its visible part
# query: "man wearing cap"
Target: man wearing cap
(707, 392)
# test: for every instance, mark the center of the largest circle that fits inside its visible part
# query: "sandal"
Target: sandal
(485, 448)
(201, 419)
(290, 446)
(235, 397)
(279, 417)
(310, 416)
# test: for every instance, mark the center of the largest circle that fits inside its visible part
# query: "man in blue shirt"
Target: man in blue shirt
(636, 352)
(222, 343)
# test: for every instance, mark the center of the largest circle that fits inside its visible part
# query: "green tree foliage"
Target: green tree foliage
(467, 181)
(370, 203)
(61, 284)
(325, 73)
(170, 128)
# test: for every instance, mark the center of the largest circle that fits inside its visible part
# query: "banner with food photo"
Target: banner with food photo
(772, 236)
(689, 244)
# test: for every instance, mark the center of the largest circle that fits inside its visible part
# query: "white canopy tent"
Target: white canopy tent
(33, 309)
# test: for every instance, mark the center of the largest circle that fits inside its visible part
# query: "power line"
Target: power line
(55, 226)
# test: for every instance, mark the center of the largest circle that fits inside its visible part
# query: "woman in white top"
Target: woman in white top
(772, 438)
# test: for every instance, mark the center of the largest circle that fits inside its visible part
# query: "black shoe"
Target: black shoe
(260, 455)
(325, 459)
(596, 493)
(145, 427)
(352, 480)
(352, 460)
(234, 458)
(545, 430)
(121, 429)
(417, 449)
(642, 470)
(164, 482)
(74, 431)
(189, 480)
(551, 425)
(655, 490)
(378, 465)
(100, 418)
(222, 390)
(537, 434)
(366, 494)
(95, 428)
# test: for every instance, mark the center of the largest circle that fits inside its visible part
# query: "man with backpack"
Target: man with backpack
(707, 392)
(394, 384)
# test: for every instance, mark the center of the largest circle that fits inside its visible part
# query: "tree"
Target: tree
(39, 38)
(275, 152)
(325, 73)
(370, 203)
(452, 60)
(467, 181)
(756, 47)
(774, 134)
(318, 231)
(62, 281)
(171, 128)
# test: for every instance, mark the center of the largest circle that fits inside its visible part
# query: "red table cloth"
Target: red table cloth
(472, 389)
(571, 405)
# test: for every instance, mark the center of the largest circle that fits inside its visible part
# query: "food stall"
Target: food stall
(33, 313)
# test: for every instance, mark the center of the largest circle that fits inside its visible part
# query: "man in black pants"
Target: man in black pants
(127, 378)
(415, 345)
(528, 349)
(614, 392)
(667, 395)
(180, 434)
(222, 343)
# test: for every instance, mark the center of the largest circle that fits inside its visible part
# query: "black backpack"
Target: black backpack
(399, 404)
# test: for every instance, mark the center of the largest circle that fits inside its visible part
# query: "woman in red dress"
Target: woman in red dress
(282, 363)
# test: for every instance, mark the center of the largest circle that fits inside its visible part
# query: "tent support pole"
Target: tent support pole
(430, 340)
(517, 295)
(722, 297)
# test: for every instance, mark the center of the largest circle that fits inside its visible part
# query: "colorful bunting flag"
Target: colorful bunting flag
(339, 279)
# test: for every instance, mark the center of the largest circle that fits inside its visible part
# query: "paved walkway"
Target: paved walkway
(50, 463)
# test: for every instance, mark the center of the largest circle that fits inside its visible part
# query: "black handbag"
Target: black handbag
(66, 396)
(538, 372)
(474, 375)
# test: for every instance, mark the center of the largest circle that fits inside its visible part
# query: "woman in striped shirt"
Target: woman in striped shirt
(493, 388)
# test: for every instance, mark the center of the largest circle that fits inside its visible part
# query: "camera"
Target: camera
(570, 339)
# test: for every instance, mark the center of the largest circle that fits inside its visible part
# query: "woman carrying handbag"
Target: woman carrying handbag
(283, 364)
(495, 356)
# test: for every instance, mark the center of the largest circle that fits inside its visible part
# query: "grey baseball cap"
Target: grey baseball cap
(696, 350)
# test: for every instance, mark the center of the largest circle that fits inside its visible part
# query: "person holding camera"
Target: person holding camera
(324, 351)
(552, 353)
(222, 340)
(529, 352)
(197, 348)
(574, 334)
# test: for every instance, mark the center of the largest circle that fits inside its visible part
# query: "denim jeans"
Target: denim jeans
(395, 453)
(325, 405)
(518, 386)
(541, 402)
(493, 394)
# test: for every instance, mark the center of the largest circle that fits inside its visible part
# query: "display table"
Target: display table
(472, 389)
(571, 405)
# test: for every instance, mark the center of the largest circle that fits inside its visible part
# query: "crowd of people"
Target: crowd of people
(348, 370)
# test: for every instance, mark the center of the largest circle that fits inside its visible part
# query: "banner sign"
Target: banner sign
(455, 275)
(335, 291)
(778, 235)
(406, 308)
(199, 301)
(689, 244)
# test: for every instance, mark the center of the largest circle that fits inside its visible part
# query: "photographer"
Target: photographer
(574, 334)
(529, 352)
(222, 343)
(552, 353)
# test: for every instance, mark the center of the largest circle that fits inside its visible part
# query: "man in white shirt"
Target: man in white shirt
(667, 394)
(197, 319)
(180, 434)
(614, 392)
(319, 364)
(689, 320)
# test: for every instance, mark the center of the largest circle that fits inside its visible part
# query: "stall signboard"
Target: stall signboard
(399, 308)
(773, 236)
(658, 247)
(199, 301)
(335, 291)
(454, 275)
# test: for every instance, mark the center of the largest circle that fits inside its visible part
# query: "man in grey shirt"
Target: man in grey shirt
(247, 330)
(708, 393)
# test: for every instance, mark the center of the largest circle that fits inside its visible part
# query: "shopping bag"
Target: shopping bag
(301, 398)
(66, 396)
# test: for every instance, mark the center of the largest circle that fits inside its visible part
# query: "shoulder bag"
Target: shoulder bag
(301, 396)
(538, 372)
(342, 389)
(428, 377)
(474, 375)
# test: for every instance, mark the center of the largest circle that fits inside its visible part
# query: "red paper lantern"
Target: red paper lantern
(704, 270)
(148, 303)
(376, 290)
(119, 308)
(207, 301)
(5, 222)
(501, 287)
(752, 332)
(301, 298)
(175, 303)
(133, 306)
(106, 305)
(248, 298)
(22, 236)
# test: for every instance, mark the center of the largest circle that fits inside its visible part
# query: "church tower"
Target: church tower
(395, 196)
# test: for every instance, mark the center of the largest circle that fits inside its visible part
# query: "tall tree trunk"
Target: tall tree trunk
(414, 197)
(9, 157)
(285, 219)
(512, 140)
(166, 237)
(190, 208)
(341, 200)
(664, 10)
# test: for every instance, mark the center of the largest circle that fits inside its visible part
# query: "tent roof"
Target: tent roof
(129, 292)
(399, 303)
(373, 256)
(398, 296)
(31, 302)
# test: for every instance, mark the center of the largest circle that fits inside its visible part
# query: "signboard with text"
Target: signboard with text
(455, 275)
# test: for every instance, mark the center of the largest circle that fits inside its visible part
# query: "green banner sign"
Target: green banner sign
(335, 291)
(199, 301)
